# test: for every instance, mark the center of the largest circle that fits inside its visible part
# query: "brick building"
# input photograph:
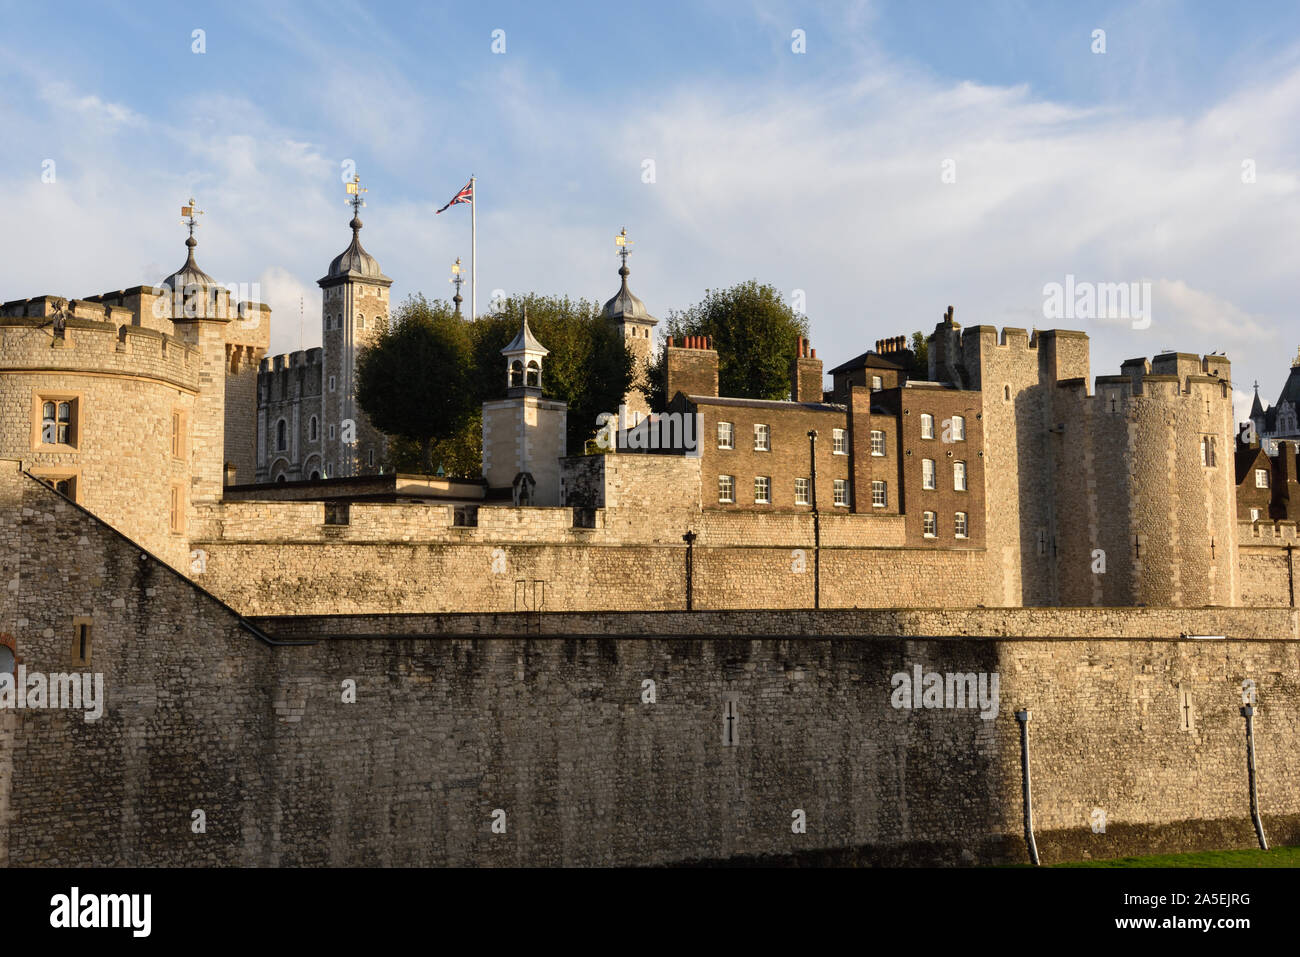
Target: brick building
(891, 447)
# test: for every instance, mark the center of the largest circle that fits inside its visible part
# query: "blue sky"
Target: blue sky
(817, 171)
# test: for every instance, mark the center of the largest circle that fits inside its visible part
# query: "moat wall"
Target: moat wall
(542, 716)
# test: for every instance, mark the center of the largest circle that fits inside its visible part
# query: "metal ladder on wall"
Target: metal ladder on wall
(530, 597)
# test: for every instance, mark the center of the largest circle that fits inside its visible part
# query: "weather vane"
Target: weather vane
(189, 216)
(624, 245)
(355, 189)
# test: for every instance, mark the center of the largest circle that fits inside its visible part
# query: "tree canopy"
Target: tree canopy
(755, 333)
(412, 380)
(399, 378)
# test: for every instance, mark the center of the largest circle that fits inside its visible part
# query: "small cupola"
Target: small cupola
(524, 358)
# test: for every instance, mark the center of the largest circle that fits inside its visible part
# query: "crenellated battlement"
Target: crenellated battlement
(290, 360)
(1171, 376)
(1015, 339)
(93, 341)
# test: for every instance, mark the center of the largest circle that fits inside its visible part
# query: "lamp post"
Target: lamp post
(1248, 712)
(457, 278)
(1023, 716)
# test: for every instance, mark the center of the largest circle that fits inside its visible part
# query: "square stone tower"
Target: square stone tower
(354, 305)
(524, 434)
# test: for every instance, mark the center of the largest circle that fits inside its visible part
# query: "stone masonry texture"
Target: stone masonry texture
(544, 717)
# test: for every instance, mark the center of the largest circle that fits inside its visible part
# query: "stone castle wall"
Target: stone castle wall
(268, 557)
(289, 388)
(546, 722)
(125, 383)
(1267, 563)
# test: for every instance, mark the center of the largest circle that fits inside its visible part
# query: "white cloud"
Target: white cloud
(831, 186)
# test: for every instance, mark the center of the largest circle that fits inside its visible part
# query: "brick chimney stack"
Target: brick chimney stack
(805, 374)
(691, 367)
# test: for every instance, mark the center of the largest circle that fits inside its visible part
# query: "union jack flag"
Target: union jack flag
(466, 195)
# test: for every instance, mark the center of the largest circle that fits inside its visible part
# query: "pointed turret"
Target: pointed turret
(634, 324)
(524, 358)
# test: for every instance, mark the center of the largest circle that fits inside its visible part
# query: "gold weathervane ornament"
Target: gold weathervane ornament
(624, 245)
(189, 216)
(355, 189)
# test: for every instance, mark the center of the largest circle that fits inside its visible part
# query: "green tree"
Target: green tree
(412, 381)
(589, 366)
(459, 455)
(755, 333)
(920, 358)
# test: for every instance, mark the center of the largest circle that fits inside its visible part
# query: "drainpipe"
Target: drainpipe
(817, 522)
(1023, 716)
(689, 539)
(1290, 573)
(1248, 712)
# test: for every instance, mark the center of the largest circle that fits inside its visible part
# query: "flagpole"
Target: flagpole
(473, 250)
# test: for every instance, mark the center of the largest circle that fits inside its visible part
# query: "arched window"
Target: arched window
(279, 478)
(313, 428)
(315, 475)
(534, 374)
(281, 435)
(516, 374)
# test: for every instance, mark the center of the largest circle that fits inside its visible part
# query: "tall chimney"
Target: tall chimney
(691, 368)
(806, 374)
